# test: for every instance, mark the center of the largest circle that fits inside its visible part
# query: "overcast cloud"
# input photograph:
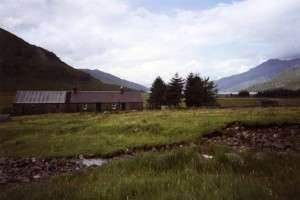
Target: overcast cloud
(139, 41)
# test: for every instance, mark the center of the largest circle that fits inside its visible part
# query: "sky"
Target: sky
(138, 40)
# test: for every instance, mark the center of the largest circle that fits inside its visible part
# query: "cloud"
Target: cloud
(138, 44)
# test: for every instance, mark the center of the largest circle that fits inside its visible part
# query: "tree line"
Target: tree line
(279, 93)
(195, 90)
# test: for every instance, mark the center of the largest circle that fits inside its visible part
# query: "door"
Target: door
(123, 106)
(98, 107)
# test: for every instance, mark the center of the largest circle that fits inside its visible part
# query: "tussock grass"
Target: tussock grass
(175, 174)
(178, 174)
(67, 135)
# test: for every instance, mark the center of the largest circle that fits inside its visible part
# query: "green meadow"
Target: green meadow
(67, 135)
(180, 173)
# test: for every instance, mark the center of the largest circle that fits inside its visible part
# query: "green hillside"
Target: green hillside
(289, 79)
(27, 67)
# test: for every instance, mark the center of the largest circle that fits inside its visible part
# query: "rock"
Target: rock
(128, 152)
(25, 180)
(266, 144)
(233, 157)
(245, 134)
(207, 156)
(36, 176)
(277, 146)
(36, 168)
(81, 157)
(154, 149)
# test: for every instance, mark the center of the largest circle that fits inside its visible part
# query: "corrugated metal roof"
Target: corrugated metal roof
(40, 97)
(105, 97)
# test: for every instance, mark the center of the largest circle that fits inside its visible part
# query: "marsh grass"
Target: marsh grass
(181, 173)
(67, 135)
(177, 174)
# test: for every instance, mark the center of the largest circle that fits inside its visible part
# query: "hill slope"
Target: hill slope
(111, 79)
(288, 79)
(260, 74)
(27, 67)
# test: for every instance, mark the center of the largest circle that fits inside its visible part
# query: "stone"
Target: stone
(81, 157)
(207, 156)
(233, 157)
(245, 134)
(277, 146)
(36, 176)
(128, 152)
(36, 168)
(154, 149)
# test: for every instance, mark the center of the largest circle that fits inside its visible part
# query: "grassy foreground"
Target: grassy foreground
(176, 174)
(60, 135)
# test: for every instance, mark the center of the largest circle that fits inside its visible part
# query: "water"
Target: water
(94, 161)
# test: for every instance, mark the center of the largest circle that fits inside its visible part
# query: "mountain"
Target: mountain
(288, 79)
(111, 79)
(27, 67)
(260, 74)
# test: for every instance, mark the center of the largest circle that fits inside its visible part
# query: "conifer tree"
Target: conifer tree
(158, 90)
(174, 91)
(199, 91)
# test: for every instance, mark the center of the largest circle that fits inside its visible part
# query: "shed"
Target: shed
(38, 102)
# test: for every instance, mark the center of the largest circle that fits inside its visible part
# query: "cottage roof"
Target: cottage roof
(105, 97)
(40, 97)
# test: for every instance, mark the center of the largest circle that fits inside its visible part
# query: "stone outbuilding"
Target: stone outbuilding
(41, 102)
(95, 101)
(38, 102)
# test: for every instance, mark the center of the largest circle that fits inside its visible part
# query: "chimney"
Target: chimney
(121, 90)
(75, 90)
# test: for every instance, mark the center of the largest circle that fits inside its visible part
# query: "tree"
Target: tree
(199, 91)
(158, 89)
(244, 93)
(210, 91)
(193, 90)
(174, 91)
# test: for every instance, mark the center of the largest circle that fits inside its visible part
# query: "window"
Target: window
(33, 106)
(84, 107)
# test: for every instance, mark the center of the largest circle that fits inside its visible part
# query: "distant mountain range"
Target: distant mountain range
(288, 79)
(260, 74)
(27, 67)
(111, 79)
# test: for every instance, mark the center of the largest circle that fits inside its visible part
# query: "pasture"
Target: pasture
(179, 173)
(66, 135)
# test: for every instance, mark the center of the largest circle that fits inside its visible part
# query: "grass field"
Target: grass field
(68, 134)
(177, 174)
(180, 173)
